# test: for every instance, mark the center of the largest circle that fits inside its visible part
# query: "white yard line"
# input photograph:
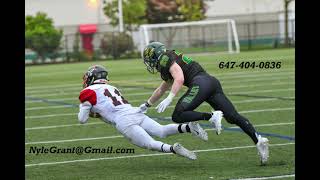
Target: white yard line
(120, 136)
(52, 86)
(49, 107)
(50, 115)
(264, 110)
(77, 89)
(257, 79)
(258, 85)
(259, 125)
(255, 75)
(139, 89)
(28, 101)
(266, 177)
(76, 94)
(70, 84)
(234, 102)
(147, 155)
(95, 123)
(134, 101)
(65, 99)
(239, 102)
(61, 126)
(262, 91)
(129, 94)
(74, 114)
(31, 92)
(74, 140)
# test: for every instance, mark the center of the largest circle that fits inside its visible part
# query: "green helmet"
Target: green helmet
(151, 55)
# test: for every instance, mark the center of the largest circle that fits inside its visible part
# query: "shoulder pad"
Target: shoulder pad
(164, 59)
(88, 95)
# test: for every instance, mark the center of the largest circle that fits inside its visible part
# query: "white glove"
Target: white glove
(144, 107)
(165, 103)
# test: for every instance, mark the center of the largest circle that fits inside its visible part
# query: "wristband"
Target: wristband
(171, 95)
(148, 104)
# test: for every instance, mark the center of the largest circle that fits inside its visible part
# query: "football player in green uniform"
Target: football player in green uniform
(176, 70)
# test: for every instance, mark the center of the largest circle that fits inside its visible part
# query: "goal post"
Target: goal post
(197, 36)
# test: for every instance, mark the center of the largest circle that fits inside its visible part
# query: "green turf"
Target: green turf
(256, 94)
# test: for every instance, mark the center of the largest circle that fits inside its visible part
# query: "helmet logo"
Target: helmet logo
(148, 52)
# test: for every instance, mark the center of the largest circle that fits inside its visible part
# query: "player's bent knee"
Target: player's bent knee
(176, 115)
(162, 133)
(176, 118)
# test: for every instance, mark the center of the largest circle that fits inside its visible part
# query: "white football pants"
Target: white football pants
(139, 128)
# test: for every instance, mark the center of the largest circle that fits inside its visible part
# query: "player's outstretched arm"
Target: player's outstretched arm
(164, 86)
(178, 80)
(88, 98)
(84, 110)
(157, 94)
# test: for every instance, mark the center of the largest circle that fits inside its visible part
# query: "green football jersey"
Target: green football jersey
(189, 67)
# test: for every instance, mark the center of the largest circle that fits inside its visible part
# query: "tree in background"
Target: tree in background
(166, 11)
(41, 36)
(136, 12)
(116, 44)
(162, 11)
(133, 13)
(191, 10)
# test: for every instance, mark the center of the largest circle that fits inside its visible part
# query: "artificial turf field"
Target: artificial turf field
(265, 96)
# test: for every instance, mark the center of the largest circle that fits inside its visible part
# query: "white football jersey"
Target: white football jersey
(107, 101)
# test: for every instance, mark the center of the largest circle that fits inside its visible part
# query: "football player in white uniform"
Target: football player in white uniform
(99, 99)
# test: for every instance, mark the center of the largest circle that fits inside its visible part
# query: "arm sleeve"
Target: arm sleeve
(88, 95)
(88, 98)
(84, 110)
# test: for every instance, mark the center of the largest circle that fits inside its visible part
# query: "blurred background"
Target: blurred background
(86, 30)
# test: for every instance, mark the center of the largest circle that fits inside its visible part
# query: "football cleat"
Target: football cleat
(180, 150)
(197, 131)
(215, 120)
(263, 149)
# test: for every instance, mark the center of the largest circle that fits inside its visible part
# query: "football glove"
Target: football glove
(165, 103)
(144, 107)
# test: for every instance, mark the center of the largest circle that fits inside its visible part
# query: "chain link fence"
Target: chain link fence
(108, 43)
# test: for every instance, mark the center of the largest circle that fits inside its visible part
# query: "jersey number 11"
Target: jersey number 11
(114, 98)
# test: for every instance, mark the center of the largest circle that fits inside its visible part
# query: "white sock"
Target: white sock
(166, 148)
(162, 147)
